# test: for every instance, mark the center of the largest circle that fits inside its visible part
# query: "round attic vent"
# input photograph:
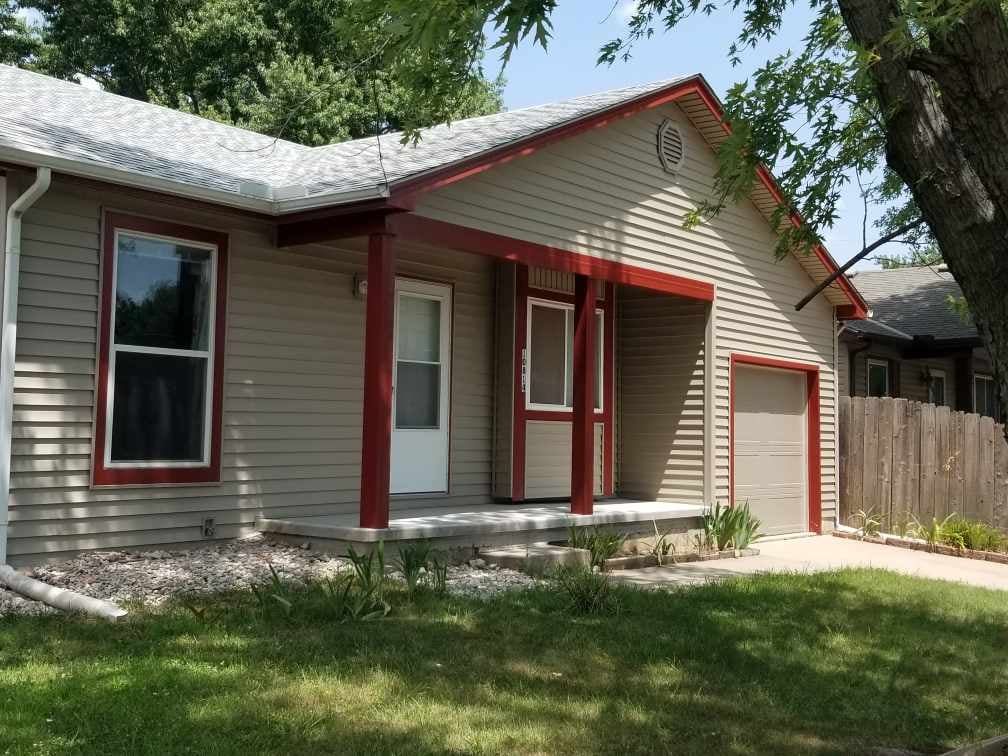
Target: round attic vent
(670, 146)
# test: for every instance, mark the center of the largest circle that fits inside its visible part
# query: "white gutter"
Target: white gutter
(253, 201)
(8, 338)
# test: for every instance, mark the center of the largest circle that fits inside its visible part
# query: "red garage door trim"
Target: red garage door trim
(813, 454)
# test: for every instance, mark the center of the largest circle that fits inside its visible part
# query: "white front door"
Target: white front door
(421, 387)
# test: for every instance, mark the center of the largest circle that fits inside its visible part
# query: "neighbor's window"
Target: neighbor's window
(160, 352)
(936, 387)
(551, 356)
(985, 396)
(878, 378)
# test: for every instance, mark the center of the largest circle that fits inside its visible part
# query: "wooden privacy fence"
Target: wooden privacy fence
(904, 459)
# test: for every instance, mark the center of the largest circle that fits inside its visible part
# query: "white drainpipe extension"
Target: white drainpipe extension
(12, 271)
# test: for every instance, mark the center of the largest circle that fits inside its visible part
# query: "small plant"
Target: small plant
(973, 534)
(663, 545)
(868, 524)
(936, 532)
(602, 544)
(414, 563)
(438, 574)
(746, 527)
(590, 592)
(369, 568)
(275, 594)
(349, 601)
(605, 545)
(718, 527)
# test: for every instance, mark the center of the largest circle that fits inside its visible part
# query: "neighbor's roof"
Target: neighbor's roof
(908, 303)
(40, 115)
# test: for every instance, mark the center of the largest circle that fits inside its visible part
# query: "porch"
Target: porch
(508, 390)
(487, 525)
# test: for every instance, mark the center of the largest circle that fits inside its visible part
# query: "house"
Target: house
(501, 330)
(916, 345)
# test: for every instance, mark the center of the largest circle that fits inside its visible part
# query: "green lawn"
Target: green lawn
(827, 663)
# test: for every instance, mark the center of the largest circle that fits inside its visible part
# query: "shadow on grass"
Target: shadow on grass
(826, 663)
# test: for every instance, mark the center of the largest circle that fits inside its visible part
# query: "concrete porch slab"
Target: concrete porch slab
(480, 523)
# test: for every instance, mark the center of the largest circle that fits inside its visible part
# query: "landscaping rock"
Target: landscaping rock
(151, 578)
(537, 558)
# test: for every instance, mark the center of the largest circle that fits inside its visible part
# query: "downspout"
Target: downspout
(12, 271)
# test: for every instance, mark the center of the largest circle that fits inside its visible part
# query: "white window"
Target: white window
(985, 396)
(878, 378)
(936, 387)
(161, 352)
(550, 356)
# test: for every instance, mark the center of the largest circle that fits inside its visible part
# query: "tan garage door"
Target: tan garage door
(770, 447)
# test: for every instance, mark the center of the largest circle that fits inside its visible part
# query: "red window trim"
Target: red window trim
(813, 433)
(102, 475)
(521, 414)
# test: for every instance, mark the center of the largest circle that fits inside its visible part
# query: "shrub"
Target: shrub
(663, 545)
(868, 524)
(746, 527)
(590, 592)
(935, 532)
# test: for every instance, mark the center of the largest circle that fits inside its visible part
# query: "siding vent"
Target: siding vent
(671, 149)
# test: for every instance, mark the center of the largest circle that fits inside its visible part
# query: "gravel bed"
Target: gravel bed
(152, 577)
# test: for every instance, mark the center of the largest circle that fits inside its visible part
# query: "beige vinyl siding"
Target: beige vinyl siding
(605, 194)
(548, 459)
(504, 370)
(661, 396)
(843, 369)
(292, 394)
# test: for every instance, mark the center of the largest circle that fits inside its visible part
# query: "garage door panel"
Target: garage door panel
(770, 447)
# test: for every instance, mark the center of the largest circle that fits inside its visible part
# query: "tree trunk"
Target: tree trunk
(946, 113)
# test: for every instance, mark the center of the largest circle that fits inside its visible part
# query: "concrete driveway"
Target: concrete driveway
(820, 553)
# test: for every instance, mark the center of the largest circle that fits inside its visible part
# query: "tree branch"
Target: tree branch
(859, 256)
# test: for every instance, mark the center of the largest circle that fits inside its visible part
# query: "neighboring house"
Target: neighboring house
(216, 329)
(916, 345)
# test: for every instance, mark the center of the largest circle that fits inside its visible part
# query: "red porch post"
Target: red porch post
(376, 440)
(583, 456)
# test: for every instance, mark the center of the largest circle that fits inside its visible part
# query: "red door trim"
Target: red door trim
(102, 475)
(521, 415)
(813, 433)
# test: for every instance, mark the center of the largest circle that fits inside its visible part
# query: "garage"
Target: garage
(770, 434)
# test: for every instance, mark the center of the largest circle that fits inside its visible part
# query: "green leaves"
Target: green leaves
(311, 71)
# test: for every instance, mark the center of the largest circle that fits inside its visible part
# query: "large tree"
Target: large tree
(312, 71)
(907, 97)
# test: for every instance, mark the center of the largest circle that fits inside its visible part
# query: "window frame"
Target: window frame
(106, 472)
(987, 378)
(938, 373)
(566, 307)
(876, 362)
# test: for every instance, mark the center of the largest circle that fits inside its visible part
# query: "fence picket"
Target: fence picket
(906, 451)
(884, 455)
(971, 465)
(985, 502)
(928, 463)
(856, 446)
(943, 430)
(1000, 517)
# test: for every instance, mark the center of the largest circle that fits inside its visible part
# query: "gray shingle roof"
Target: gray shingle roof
(46, 117)
(911, 302)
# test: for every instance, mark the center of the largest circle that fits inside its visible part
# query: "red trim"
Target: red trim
(422, 230)
(331, 227)
(814, 454)
(101, 475)
(609, 391)
(695, 85)
(522, 415)
(376, 438)
(583, 426)
(519, 414)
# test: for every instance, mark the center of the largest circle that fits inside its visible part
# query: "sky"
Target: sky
(699, 45)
